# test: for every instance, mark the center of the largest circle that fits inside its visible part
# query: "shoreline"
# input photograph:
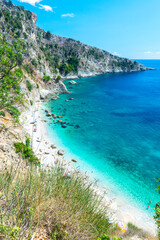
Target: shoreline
(118, 207)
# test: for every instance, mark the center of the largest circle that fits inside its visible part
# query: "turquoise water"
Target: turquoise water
(113, 125)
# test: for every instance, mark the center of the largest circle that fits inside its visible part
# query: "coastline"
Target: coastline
(118, 207)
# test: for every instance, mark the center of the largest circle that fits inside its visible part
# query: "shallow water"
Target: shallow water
(113, 125)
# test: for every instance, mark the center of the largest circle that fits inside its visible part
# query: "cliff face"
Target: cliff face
(54, 55)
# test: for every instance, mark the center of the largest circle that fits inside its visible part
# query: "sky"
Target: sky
(127, 28)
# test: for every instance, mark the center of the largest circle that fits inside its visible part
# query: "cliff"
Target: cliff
(54, 55)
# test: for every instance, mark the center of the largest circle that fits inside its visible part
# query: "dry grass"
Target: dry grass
(66, 208)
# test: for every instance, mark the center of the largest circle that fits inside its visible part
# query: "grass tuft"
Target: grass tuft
(65, 208)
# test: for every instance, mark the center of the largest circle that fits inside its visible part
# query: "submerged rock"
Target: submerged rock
(71, 98)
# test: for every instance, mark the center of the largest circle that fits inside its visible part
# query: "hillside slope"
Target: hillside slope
(54, 55)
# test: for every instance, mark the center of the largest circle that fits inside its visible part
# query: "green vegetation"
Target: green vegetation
(67, 208)
(29, 85)
(46, 78)
(157, 210)
(2, 113)
(58, 78)
(28, 15)
(48, 35)
(25, 35)
(34, 62)
(10, 76)
(124, 63)
(72, 65)
(28, 68)
(14, 112)
(26, 152)
(95, 53)
(105, 237)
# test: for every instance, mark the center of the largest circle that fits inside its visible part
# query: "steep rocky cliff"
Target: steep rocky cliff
(47, 54)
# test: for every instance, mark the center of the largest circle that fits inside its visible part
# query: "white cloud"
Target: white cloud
(71, 15)
(157, 53)
(116, 53)
(46, 8)
(32, 2)
(148, 52)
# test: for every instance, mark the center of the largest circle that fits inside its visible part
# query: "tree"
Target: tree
(48, 35)
(10, 75)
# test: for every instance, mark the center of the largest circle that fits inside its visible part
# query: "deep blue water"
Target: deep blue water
(118, 132)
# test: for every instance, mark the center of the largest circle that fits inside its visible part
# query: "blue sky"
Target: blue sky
(128, 28)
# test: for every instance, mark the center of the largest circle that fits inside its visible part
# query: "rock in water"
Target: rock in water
(72, 82)
(53, 146)
(61, 152)
(74, 160)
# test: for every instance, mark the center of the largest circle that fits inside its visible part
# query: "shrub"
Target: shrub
(48, 35)
(25, 35)
(59, 78)
(46, 78)
(14, 112)
(37, 86)
(28, 68)
(34, 62)
(56, 45)
(29, 85)
(2, 113)
(26, 151)
(28, 15)
(73, 63)
(106, 237)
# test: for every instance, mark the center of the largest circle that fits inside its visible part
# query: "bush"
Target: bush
(28, 68)
(48, 35)
(25, 35)
(105, 237)
(59, 78)
(2, 113)
(29, 85)
(46, 78)
(26, 152)
(34, 62)
(14, 112)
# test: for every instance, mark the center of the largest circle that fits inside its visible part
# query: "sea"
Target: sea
(112, 127)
